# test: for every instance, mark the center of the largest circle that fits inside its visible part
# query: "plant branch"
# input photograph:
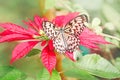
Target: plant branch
(112, 37)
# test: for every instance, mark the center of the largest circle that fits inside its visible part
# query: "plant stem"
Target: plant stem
(113, 37)
(42, 6)
(59, 66)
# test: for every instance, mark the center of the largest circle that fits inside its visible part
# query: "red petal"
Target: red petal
(6, 32)
(33, 31)
(31, 24)
(38, 21)
(36, 24)
(43, 43)
(22, 49)
(70, 16)
(88, 44)
(48, 58)
(50, 44)
(15, 28)
(63, 20)
(91, 39)
(70, 55)
(59, 21)
(13, 37)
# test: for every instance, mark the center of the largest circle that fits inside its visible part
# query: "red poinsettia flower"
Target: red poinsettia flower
(34, 34)
(29, 37)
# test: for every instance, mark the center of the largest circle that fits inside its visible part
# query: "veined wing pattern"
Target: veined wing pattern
(65, 38)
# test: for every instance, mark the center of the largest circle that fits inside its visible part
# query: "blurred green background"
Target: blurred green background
(17, 10)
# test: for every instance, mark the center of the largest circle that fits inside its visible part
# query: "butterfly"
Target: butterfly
(65, 38)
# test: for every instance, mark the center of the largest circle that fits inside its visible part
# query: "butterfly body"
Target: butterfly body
(65, 38)
(64, 41)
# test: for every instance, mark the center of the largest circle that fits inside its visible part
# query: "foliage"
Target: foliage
(11, 73)
(91, 64)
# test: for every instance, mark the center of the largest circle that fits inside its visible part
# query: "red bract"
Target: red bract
(6, 32)
(90, 39)
(36, 24)
(70, 56)
(15, 29)
(22, 49)
(14, 37)
(48, 56)
(61, 21)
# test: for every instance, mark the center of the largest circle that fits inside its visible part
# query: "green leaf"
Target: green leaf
(72, 70)
(43, 75)
(98, 66)
(4, 70)
(10, 73)
(33, 52)
(29, 65)
(29, 78)
(117, 62)
(55, 75)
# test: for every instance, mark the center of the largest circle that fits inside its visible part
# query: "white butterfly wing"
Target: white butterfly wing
(72, 42)
(60, 44)
(66, 42)
(76, 25)
(49, 29)
(55, 35)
